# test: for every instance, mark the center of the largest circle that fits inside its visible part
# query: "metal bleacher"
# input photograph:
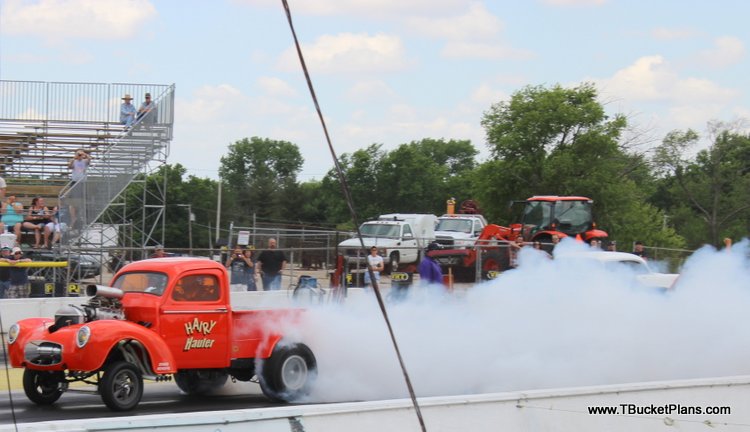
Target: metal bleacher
(42, 124)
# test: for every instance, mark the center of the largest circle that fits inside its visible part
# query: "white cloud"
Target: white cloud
(487, 51)
(663, 33)
(348, 53)
(651, 85)
(368, 91)
(276, 87)
(76, 19)
(369, 8)
(485, 95)
(476, 24)
(727, 50)
(652, 78)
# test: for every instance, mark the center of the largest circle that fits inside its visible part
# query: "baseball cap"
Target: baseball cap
(17, 249)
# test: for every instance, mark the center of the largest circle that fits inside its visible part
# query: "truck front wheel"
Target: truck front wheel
(121, 387)
(287, 374)
(42, 387)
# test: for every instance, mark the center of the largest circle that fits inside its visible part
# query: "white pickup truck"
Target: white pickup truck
(458, 231)
(643, 275)
(399, 237)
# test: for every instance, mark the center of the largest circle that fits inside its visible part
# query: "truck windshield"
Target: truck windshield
(380, 230)
(145, 282)
(457, 225)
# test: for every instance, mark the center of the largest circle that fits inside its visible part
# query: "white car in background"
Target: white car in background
(614, 261)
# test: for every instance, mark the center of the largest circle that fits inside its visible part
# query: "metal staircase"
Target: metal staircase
(42, 125)
(115, 167)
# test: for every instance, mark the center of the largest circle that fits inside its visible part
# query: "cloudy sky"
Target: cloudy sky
(386, 71)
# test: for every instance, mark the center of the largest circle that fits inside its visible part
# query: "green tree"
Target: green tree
(199, 193)
(558, 141)
(713, 187)
(259, 174)
(416, 177)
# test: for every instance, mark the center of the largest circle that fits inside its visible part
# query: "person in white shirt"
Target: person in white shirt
(375, 262)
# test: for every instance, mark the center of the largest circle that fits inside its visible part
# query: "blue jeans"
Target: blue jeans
(271, 282)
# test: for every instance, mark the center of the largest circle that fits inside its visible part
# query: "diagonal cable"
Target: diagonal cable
(353, 212)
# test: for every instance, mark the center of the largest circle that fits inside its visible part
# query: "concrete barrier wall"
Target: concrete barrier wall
(559, 410)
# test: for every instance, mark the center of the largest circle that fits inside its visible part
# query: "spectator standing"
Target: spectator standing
(374, 262)
(127, 111)
(612, 246)
(38, 217)
(249, 253)
(270, 264)
(5, 257)
(148, 106)
(158, 252)
(429, 269)
(79, 165)
(19, 277)
(638, 250)
(242, 268)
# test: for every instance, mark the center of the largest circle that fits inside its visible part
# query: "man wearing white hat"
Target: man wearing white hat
(127, 111)
(19, 277)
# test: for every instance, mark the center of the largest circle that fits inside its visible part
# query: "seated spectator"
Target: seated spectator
(19, 277)
(127, 111)
(53, 228)
(148, 106)
(38, 217)
(12, 218)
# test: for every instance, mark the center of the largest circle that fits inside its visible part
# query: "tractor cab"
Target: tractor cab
(544, 216)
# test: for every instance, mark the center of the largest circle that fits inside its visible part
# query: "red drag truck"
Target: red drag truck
(162, 318)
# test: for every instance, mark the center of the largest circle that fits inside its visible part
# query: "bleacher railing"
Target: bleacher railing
(79, 102)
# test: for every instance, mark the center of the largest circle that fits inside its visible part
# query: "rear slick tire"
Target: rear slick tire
(287, 375)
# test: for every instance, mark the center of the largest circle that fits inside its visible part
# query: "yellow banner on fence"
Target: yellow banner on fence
(36, 264)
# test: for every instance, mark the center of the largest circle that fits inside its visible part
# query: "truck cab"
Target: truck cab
(400, 238)
(459, 230)
(162, 319)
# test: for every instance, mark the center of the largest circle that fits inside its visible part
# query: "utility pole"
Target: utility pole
(191, 217)
(218, 213)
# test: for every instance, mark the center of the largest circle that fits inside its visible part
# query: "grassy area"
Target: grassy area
(14, 376)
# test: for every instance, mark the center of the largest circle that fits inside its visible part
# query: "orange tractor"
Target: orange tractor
(542, 218)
